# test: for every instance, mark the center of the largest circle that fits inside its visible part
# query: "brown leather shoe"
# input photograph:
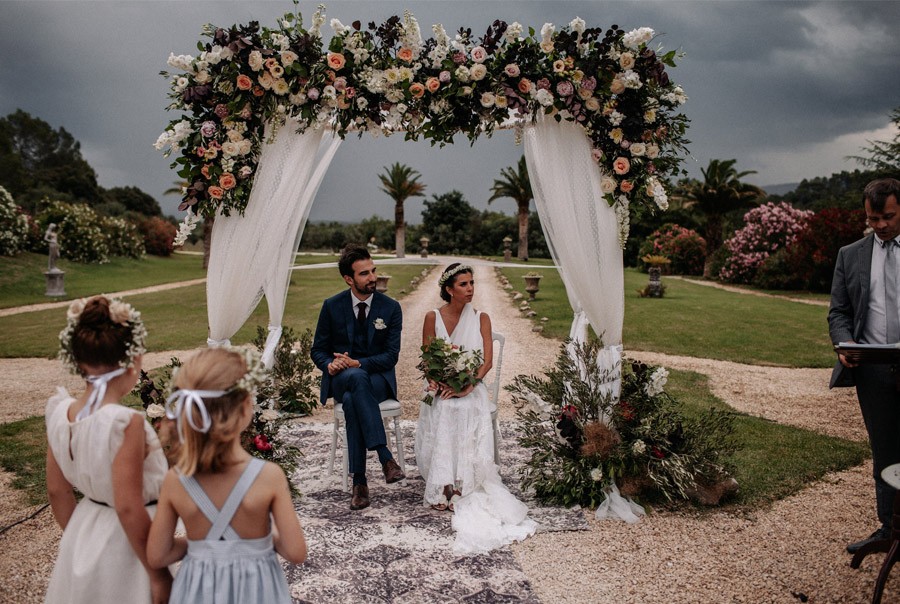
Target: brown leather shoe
(360, 498)
(392, 471)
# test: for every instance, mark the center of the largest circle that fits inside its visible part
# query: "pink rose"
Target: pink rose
(216, 192)
(626, 186)
(565, 88)
(621, 165)
(417, 90)
(479, 54)
(512, 70)
(432, 84)
(405, 54)
(312, 94)
(524, 86)
(336, 60)
(617, 86)
(444, 76)
(543, 84)
(244, 82)
(596, 154)
(221, 111)
(227, 181)
(459, 58)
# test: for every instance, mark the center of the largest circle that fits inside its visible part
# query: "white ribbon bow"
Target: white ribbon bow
(99, 383)
(186, 401)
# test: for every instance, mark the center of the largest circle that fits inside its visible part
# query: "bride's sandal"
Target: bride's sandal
(457, 495)
(441, 506)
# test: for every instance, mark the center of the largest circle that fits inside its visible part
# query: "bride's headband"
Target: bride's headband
(121, 313)
(462, 268)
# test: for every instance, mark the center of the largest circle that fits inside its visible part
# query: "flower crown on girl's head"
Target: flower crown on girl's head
(256, 376)
(462, 268)
(121, 313)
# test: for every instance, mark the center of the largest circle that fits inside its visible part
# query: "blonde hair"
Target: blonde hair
(211, 369)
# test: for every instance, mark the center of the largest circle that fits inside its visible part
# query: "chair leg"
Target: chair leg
(496, 425)
(401, 452)
(345, 473)
(334, 439)
(889, 561)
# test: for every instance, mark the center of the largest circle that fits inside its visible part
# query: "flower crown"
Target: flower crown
(256, 375)
(120, 313)
(462, 268)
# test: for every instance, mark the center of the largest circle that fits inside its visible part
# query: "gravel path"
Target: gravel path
(791, 551)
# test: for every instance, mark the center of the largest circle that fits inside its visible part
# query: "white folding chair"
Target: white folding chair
(494, 391)
(390, 408)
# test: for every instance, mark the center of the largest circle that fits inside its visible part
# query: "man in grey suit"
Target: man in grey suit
(865, 309)
(357, 344)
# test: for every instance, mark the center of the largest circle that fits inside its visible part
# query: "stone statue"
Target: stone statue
(53, 244)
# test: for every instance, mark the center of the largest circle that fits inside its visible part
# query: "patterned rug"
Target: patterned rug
(397, 550)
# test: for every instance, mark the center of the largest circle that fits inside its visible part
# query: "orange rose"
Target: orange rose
(417, 90)
(216, 192)
(405, 54)
(524, 86)
(626, 186)
(342, 102)
(205, 171)
(244, 82)
(621, 165)
(258, 91)
(227, 181)
(432, 84)
(336, 60)
(617, 86)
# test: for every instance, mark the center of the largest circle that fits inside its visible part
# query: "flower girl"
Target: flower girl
(111, 455)
(224, 496)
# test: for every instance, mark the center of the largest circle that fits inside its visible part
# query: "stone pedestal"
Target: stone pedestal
(56, 286)
(654, 286)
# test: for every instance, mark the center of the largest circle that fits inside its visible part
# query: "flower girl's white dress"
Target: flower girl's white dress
(455, 445)
(96, 562)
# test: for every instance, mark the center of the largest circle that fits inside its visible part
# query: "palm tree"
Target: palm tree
(176, 189)
(720, 193)
(516, 185)
(400, 182)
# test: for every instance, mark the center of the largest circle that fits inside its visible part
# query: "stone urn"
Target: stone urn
(532, 284)
(424, 249)
(381, 283)
(655, 288)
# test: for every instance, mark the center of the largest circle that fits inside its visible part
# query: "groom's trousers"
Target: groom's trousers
(361, 394)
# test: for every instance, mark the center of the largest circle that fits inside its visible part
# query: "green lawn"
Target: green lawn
(701, 321)
(176, 318)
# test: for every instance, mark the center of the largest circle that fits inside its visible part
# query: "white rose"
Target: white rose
(75, 308)
(288, 57)
(638, 149)
(462, 73)
(119, 312)
(281, 87)
(245, 145)
(544, 97)
(638, 447)
(592, 104)
(230, 148)
(487, 99)
(596, 474)
(269, 415)
(255, 60)
(478, 72)
(652, 151)
(154, 411)
(607, 185)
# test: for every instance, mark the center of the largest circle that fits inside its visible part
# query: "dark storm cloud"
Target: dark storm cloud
(764, 79)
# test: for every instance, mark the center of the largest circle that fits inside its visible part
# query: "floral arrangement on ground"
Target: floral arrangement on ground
(290, 390)
(582, 439)
(387, 79)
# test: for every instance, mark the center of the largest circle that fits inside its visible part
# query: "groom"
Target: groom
(356, 346)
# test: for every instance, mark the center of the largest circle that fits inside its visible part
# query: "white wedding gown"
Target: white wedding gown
(455, 445)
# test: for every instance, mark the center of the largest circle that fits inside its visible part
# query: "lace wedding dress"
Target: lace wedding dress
(454, 445)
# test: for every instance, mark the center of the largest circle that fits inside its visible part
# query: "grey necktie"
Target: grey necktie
(890, 292)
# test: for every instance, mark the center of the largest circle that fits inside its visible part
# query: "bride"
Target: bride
(454, 437)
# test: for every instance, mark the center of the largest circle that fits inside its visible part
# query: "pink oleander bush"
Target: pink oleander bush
(767, 229)
(684, 247)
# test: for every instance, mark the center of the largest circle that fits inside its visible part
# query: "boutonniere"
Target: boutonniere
(380, 324)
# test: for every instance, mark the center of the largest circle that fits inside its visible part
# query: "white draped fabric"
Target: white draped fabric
(582, 233)
(252, 255)
(580, 227)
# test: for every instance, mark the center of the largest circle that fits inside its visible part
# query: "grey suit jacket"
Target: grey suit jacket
(849, 301)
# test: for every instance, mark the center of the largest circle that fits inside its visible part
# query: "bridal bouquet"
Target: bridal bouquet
(449, 364)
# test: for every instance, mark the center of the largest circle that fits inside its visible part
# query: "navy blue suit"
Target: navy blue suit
(362, 388)
(876, 385)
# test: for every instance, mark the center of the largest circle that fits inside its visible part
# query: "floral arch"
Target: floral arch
(264, 110)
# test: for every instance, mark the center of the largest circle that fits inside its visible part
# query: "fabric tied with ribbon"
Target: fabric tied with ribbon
(617, 507)
(185, 402)
(98, 382)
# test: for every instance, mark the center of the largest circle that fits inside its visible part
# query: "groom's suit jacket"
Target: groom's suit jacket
(849, 301)
(337, 328)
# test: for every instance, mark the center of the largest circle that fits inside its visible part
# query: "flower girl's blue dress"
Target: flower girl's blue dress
(223, 568)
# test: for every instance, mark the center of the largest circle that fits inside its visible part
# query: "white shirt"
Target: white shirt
(368, 302)
(875, 331)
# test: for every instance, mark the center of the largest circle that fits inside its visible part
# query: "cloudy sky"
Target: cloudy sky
(787, 88)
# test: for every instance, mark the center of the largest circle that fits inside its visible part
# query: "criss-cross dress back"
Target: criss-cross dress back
(221, 518)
